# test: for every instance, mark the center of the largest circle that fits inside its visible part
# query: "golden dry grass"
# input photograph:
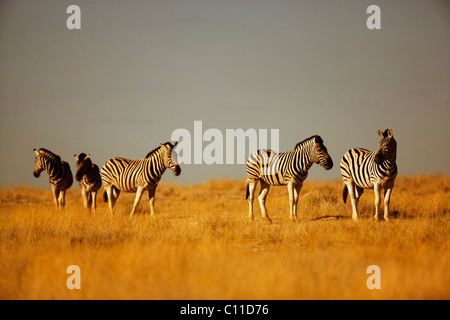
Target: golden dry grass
(200, 244)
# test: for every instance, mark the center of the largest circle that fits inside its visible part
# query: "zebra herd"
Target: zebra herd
(360, 168)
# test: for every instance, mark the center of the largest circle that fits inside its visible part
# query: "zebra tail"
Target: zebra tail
(344, 194)
(247, 192)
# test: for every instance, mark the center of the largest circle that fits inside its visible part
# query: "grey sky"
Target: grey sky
(137, 70)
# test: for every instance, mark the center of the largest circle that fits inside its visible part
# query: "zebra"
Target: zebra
(60, 176)
(363, 169)
(120, 174)
(284, 168)
(88, 175)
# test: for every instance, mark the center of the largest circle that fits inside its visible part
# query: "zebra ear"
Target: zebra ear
(75, 156)
(380, 133)
(87, 157)
(318, 139)
(36, 152)
(389, 132)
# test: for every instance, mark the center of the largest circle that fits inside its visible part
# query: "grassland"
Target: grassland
(200, 244)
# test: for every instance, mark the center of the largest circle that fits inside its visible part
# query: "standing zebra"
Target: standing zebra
(89, 178)
(119, 174)
(60, 176)
(285, 168)
(362, 169)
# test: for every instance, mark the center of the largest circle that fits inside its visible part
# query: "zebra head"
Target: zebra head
(170, 157)
(320, 154)
(83, 164)
(387, 147)
(45, 160)
(38, 165)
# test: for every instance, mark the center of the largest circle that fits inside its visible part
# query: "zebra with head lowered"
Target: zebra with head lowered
(88, 175)
(59, 173)
(120, 174)
(362, 169)
(285, 168)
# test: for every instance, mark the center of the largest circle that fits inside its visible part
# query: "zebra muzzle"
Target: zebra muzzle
(177, 170)
(328, 164)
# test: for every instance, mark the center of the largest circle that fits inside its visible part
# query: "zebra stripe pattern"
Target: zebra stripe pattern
(88, 175)
(362, 169)
(60, 175)
(120, 174)
(285, 168)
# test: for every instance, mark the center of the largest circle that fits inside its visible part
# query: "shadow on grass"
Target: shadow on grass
(331, 217)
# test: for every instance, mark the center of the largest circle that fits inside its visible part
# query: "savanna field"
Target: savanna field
(201, 245)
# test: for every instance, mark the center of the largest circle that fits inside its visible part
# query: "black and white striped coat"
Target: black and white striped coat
(120, 174)
(60, 175)
(88, 176)
(285, 168)
(363, 169)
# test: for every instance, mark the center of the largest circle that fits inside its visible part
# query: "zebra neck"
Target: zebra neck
(304, 157)
(389, 164)
(157, 163)
(52, 167)
(90, 173)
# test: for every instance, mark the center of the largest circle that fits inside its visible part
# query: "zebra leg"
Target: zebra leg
(94, 200)
(89, 200)
(62, 199)
(291, 200)
(151, 200)
(387, 199)
(376, 190)
(251, 185)
(55, 193)
(352, 192)
(358, 192)
(262, 199)
(111, 200)
(136, 200)
(85, 199)
(297, 189)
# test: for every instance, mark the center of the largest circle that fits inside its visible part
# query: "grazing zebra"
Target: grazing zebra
(60, 176)
(362, 169)
(285, 168)
(89, 178)
(119, 174)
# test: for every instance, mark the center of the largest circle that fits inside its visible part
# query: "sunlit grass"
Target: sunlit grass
(200, 244)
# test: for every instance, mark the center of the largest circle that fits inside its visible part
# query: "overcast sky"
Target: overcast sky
(138, 70)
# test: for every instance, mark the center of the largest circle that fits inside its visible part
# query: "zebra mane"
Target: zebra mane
(50, 154)
(154, 151)
(316, 138)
